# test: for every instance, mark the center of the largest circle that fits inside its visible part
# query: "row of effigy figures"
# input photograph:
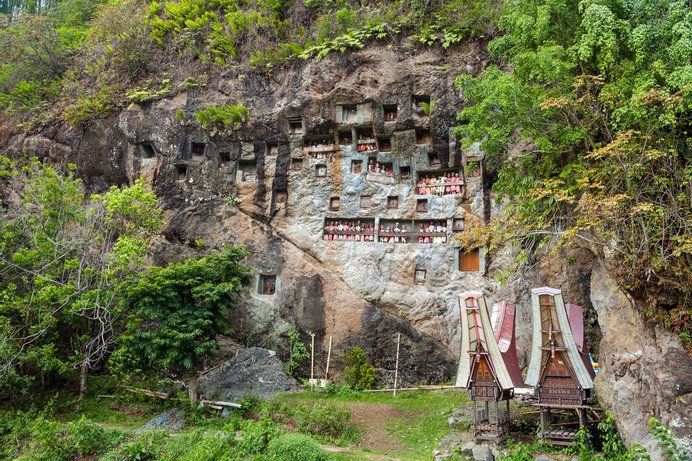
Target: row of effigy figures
(560, 370)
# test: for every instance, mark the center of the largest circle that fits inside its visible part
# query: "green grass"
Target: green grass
(420, 430)
(419, 427)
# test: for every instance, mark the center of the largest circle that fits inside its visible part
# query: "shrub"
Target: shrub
(358, 374)
(144, 448)
(90, 438)
(87, 108)
(323, 419)
(298, 352)
(222, 118)
(256, 436)
(296, 447)
(666, 442)
(208, 446)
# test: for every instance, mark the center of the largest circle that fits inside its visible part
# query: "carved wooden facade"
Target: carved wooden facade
(557, 371)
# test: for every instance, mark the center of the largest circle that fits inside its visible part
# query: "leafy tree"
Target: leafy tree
(63, 258)
(597, 96)
(176, 312)
(37, 49)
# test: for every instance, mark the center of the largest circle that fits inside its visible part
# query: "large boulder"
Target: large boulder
(645, 371)
(253, 372)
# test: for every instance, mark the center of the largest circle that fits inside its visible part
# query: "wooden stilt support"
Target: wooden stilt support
(396, 365)
(329, 356)
(543, 424)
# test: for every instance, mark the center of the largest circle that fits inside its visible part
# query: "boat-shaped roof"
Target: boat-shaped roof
(552, 325)
(477, 337)
(503, 321)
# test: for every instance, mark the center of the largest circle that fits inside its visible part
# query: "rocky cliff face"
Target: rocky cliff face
(270, 187)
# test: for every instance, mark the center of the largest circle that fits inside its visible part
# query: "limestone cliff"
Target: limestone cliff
(269, 187)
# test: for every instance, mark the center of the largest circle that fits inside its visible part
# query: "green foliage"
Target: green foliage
(428, 107)
(214, 30)
(90, 107)
(358, 373)
(611, 444)
(612, 448)
(324, 420)
(63, 260)
(223, 118)
(666, 442)
(37, 49)
(144, 448)
(176, 312)
(517, 452)
(599, 99)
(257, 435)
(296, 447)
(30, 436)
(143, 96)
(297, 353)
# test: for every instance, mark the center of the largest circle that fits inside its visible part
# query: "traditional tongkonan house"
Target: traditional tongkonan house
(503, 327)
(556, 370)
(482, 370)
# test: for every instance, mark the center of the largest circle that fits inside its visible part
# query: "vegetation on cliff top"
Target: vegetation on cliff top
(586, 119)
(90, 56)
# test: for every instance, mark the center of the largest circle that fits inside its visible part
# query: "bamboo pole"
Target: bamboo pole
(418, 388)
(329, 356)
(312, 360)
(396, 366)
(162, 395)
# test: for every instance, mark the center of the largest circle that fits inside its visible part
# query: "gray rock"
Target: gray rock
(467, 449)
(543, 458)
(483, 453)
(453, 447)
(254, 372)
(172, 420)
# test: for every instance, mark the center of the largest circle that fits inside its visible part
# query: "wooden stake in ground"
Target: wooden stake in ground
(329, 356)
(312, 360)
(396, 366)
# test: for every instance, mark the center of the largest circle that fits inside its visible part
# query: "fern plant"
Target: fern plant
(428, 107)
(226, 117)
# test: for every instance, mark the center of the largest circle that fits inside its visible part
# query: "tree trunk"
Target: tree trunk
(192, 389)
(83, 375)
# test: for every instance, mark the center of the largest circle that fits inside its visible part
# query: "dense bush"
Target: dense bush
(296, 447)
(30, 436)
(323, 419)
(358, 374)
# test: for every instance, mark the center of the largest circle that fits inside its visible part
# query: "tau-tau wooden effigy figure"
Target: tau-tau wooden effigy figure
(482, 370)
(560, 377)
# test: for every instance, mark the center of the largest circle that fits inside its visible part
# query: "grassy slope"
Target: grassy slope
(420, 429)
(415, 426)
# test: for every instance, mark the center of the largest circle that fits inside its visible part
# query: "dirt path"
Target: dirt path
(372, 420)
